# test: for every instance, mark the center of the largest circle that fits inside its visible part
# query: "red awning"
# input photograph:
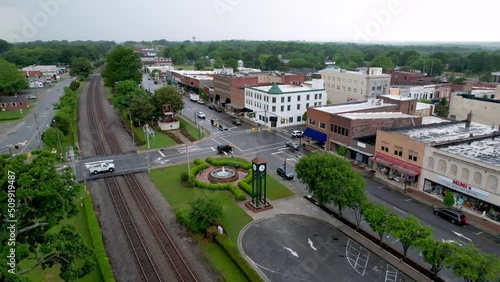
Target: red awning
(399, 165)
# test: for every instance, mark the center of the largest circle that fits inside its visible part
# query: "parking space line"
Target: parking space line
(401, 211)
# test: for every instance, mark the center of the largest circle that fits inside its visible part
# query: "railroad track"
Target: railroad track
(148, 268)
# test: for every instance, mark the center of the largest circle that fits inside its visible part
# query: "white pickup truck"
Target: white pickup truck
(102, 166)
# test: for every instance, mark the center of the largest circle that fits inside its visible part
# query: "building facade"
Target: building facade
(283, 105)
(192, 80)
(229, 87)
(485, 111)
(400, 152)
(13, 103)
(344, 86)
(470, 170)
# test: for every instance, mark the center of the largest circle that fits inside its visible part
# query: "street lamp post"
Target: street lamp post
(406, 182)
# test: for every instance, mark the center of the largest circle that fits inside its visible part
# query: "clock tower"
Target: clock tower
(259, 186)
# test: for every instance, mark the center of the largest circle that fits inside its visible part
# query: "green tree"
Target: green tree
(436, 253)
(62, 122)
(167, 95)
(409, 231)
(49, 138)
(202, 63)
(382, 61)
(122, 64)
(304, 116)
(341, 151)
(359, 206)
(486, 77)
(203, 213)
(4, 46)
(272, 63)
(231, 63)
(330, 179)
(141, 108)
(380, 219)
(469, 263)
(11, 79)
(449, 199)
(125, 92)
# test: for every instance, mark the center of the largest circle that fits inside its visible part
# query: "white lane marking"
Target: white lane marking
(461, 235)
(394, 241)
(401, 211)
(310, 242)
(291, 251)
(212, 148)
(161, 153)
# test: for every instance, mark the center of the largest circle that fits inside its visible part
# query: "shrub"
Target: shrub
(181, 216)
(449, 199)
(74, 85)
(184, 176)
(191, 182)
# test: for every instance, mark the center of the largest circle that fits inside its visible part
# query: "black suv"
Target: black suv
(281, 172)
(224, 148)
(236, 121)
(452, 215)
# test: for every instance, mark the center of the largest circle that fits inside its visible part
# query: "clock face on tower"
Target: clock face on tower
(262, 167)
(254, 167)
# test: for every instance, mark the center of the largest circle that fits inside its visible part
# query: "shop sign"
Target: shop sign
(464, 188)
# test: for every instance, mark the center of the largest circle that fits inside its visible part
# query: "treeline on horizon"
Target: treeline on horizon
(469, 59)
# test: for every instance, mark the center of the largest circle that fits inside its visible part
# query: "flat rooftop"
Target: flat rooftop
(336, 109)
(286, 88)
(433, 119)
(423, 106)
(379, 115)
(200, 77)
(485, 150)
(397, 97)
(445, 132)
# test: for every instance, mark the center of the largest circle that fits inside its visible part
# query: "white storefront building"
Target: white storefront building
(470, 169)
(283, 105)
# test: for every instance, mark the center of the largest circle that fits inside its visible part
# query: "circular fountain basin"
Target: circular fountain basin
(222, 175)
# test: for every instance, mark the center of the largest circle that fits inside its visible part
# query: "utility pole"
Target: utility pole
(131, 127)
(187, 151)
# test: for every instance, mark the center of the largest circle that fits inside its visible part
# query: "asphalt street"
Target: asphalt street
(26, 131)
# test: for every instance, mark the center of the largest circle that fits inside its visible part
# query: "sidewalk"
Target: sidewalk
(474, 219)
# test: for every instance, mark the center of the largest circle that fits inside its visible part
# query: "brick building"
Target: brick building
(193, 80)
(350, 125)
(13, 103)
(410, 78)
(229, 88)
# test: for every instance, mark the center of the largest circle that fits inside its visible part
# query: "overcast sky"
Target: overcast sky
(312, 20)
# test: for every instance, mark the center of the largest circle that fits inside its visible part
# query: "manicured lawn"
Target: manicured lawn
(276, 190)
(225, 266)
(158, 141)
(168, 182)
(52, 274)
(9, 116)
(191, 130)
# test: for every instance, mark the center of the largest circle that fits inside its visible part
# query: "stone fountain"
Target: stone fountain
(222, 175)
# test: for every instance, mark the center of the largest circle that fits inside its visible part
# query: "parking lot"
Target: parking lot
(300, 248)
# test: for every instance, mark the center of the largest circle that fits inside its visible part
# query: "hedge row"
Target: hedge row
(245, 183)
(95, 234)
(234, 254)
(218, 162)
(201, 165)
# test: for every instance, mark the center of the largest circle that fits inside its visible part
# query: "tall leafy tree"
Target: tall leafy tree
(167, 95)
(203, 213)
(470, 264)
(436, 253)
(122, 64)
(380, 219)
(409, 231)
(272, 63)
(382, 61)
(141, 108)
(11, 79)
(125, 92)
(331, 180)
(80, 67)
(4, 46)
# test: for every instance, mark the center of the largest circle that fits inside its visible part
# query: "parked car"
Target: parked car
(156, 82)
(297, 133)
(211, 107)
(201, 101)
(217, 109)
(289, 175)
(292, 145)
(200, 115)
(31, 97)
(222, 127)
(224, 148)
(236, 121)
(452, 215)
